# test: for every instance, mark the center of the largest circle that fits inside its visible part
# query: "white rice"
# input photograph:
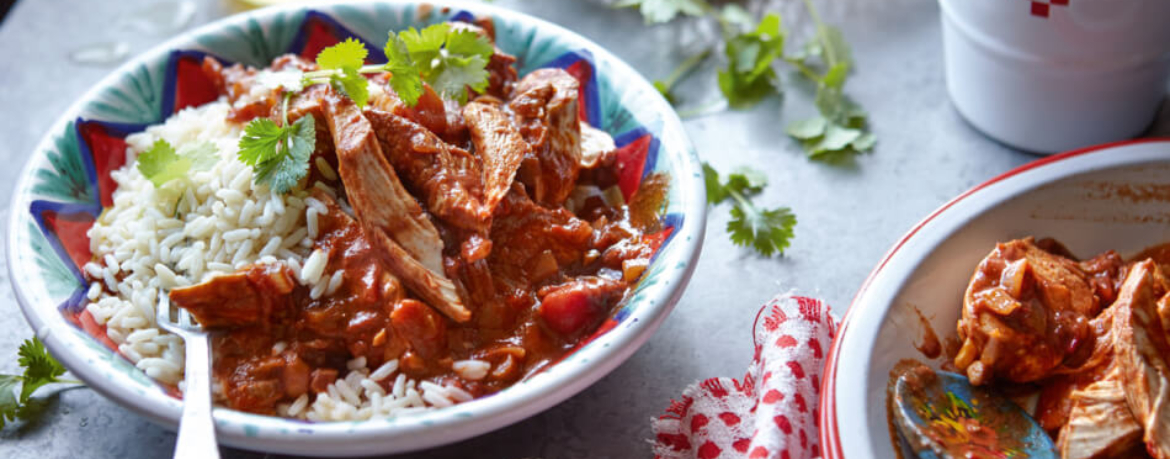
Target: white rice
(212, 223)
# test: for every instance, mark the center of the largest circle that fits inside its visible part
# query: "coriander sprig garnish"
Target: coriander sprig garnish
(768, 231)
(753, 50)
(448, 59)
(40, 368)
(279, 155)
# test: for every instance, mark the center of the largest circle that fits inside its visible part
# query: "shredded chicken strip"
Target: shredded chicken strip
(448, 179)
(499, 146)
(1140, 351)
(390, 216)
(545, 105)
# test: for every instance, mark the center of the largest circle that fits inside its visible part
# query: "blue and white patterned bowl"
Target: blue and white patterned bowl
(66, 185)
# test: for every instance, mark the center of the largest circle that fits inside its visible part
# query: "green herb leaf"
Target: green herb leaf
(40, 368)
(346, 59)
(749, 76)
(463, 65)
(734, 15)
(716, 192)
(282, 172)
(161, 163)
(747, 181)
(352, 84)
(808, 129)
(260, 142)
(405, 78)
(425, 45)
(450, 60)
(350, 53)
(659, 11)
(767, 231)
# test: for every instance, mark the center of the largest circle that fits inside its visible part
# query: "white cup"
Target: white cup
(1054, 75)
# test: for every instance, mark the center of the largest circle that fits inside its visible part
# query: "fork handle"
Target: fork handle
(196, 427)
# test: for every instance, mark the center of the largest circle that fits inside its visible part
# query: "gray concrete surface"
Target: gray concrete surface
(848, 215)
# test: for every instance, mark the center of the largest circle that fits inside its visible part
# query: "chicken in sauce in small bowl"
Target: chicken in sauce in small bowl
(1044, 288)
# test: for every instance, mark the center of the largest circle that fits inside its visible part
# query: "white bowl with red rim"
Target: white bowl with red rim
(1112, 196)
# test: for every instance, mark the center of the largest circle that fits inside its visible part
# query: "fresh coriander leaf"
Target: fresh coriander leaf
(734, 15)
(284, 171)
(40, 368)
(203, 155)
(659, 11)
(836, 138)
(346, 58)
(808, 129)
(161, 164)
(454, 74)
(425, 45)
(352, 84)
(746, 181)
(405, 78)
(716, 192)
(834, 47)
(450, 60)
(291, 80)
(467, 43)
(835, 77)
(260, 142)
(350, 54)
(462, 65)
(9, 404)
(749, 76)
(767, 231)
(864, 143)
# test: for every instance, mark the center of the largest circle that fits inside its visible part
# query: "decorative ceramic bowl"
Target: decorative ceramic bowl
(66, 185)
(1092, 200)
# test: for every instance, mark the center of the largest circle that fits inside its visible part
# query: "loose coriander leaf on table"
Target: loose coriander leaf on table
(40, 368)
(767, 231)
(716, 192)
(659, 11)
(749, 76)
(9, 404)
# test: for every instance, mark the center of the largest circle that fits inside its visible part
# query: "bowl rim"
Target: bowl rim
(830, 437)
(432, 428)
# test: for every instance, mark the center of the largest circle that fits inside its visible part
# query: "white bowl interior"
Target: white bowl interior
(1118, 199)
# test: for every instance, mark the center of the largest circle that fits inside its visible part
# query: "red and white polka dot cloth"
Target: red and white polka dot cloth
(770, 413)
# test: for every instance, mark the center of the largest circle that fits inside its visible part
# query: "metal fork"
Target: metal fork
(196, 427)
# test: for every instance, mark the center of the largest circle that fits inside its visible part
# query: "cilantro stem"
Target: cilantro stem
(685, 69)
(322, 76)
(704, 109)
(741, 201)
(284, 107)
(804, 69)
(830, 54)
